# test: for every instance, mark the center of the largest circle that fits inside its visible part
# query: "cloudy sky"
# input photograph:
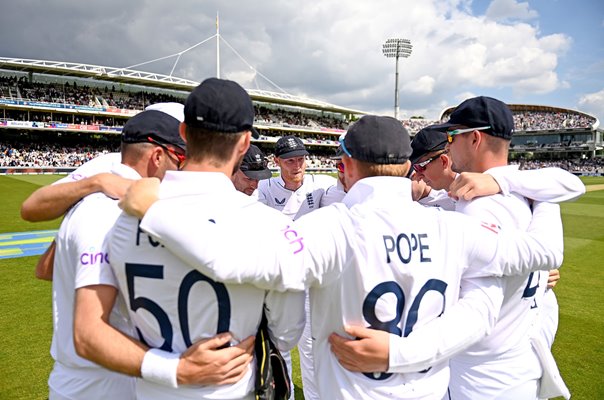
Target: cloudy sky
(532, 52)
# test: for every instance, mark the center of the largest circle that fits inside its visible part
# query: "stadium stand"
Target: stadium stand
(58, 115)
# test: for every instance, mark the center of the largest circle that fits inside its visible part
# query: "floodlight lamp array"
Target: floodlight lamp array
(397, 48)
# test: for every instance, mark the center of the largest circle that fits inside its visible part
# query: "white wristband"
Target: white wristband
(160, 367)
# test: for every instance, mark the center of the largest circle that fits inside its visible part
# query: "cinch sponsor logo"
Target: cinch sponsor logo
(94, 258)
(293, 238)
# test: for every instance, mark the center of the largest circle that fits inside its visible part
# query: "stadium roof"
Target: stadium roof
(532, 107)
(150, 79)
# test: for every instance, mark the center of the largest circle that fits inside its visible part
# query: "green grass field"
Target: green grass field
(26, 317)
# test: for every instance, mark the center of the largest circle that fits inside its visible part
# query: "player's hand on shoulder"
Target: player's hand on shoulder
(469, 185)
(206, 362)
(368, 353)
(112, 185)
(140, 196)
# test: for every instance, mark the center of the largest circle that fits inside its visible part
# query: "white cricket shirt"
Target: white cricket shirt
(81, 260)
(316, 191)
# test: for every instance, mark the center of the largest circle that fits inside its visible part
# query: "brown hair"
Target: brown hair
(214, 147)
(496, 144)
(132, 152)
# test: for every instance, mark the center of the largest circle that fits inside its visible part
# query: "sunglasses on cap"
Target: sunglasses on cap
(179, 156)
(343, 145)
(454, 132)
(421, 166)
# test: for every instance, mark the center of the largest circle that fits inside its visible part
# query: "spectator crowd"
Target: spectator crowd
(27, 154)
(317, 128)
(35, 155)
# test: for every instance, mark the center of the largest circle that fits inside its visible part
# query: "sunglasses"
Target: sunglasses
(340, 167)
(452, 133)
(421, 167)
(179, 156)
(343, 145)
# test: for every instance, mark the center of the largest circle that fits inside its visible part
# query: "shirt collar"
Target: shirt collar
(183, 183)
(510, 167)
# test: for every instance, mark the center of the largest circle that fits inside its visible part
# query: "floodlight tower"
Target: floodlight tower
(397, 48)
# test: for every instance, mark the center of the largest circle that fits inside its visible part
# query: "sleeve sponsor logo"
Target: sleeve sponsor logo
(93, 258)
(292, 236)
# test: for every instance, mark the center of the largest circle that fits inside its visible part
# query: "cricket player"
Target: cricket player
(171, 303)
(503, 365)
(253, 169)
(203, 364)
(81, 262)
(377, 259)
(432, 165)
(550, 185)
(295, 194)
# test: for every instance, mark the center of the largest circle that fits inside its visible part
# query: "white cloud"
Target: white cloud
(323, 50)
(593, 103)
(502, 10)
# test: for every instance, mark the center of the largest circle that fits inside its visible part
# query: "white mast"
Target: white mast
(217, 47)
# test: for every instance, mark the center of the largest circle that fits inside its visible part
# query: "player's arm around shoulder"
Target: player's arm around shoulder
(550, 184)
(221, 249)
(466, 322)
(489, 250)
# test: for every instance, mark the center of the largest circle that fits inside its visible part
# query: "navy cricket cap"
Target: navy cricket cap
(482, 111)
(426, 141)
(154, 124)
(220, 105)
(290, 146)
(254, 164)
(378, 140)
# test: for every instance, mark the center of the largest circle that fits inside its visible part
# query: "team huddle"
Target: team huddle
(424, 271)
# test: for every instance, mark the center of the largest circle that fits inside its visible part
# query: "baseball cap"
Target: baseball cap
(378, 140)
(482, 111)
(154, 124)
(426, 141)
(220, 105)
(254, 164)
(290, 146)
